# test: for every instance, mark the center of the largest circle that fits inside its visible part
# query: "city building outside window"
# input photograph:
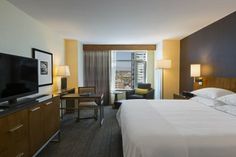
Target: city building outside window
(128, 69)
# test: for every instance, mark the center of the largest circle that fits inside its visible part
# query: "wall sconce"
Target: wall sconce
(195, 72)
(63, 71)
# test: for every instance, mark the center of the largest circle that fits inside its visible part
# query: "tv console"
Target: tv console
(27, 128)
(22, 101)
(40, 96)
(18, 103)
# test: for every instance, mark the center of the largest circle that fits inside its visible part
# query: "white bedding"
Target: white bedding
(175, 128)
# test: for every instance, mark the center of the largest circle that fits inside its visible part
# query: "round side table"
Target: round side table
(116, 102)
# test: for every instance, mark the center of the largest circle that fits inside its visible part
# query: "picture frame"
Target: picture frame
(45, 66)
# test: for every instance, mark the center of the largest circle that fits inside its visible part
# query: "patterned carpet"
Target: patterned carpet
(86, 138)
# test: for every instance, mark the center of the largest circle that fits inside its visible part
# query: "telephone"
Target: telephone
(188, 94)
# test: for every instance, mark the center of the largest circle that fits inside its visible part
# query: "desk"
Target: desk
(64, 91)
(98, 97)
(70, 104)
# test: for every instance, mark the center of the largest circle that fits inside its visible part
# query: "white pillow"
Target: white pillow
(230, 109)
(206, 101)
(228, 99)
(211, 93)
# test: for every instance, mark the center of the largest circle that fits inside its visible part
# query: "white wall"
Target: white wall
(19, 33)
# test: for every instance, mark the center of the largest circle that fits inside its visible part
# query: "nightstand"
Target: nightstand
(180, 96)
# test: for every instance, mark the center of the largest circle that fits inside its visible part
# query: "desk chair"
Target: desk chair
(87, 103)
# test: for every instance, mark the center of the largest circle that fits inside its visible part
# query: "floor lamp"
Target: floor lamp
(163, 64)
(63, 71)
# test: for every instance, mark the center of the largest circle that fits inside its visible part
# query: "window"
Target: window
(128, 68)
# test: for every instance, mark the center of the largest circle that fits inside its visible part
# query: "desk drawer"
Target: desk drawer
(17, 134)
(3, 136)
(18, 125)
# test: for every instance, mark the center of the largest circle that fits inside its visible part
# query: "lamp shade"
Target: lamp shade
(63, 70)
(163, 64)
(195, 70)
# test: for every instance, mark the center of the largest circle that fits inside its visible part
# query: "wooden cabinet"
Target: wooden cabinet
(36, 133)
(14, 135)
(3, 136)
(24, 132)
(44, 121)
(51, 116)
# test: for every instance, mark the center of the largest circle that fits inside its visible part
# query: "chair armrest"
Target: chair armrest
(150, 94)
(129, 92)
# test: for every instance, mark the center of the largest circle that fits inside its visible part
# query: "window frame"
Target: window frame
(134, 63)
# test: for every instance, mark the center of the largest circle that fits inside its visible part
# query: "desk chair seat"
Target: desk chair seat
(88, 104)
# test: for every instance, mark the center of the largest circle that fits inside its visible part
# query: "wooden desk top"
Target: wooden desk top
(64, 91)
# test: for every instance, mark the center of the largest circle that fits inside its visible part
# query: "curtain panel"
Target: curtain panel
(97, 72)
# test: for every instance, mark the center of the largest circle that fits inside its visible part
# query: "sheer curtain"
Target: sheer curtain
(97, 66)
(113, 70)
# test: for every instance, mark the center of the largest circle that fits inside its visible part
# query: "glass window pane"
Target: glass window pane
(123, 56)
(128, 68)
(123, 75)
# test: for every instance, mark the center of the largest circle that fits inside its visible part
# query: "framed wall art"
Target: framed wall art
(45, 66)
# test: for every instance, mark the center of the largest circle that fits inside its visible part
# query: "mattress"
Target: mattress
(175, 128)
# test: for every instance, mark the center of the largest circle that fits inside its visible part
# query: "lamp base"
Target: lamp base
(63, 83)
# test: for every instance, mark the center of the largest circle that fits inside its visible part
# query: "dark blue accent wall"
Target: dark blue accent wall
(214, 47)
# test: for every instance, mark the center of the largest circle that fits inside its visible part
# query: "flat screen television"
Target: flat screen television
(18, 77)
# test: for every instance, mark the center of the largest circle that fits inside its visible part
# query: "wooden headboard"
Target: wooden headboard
(219, 82)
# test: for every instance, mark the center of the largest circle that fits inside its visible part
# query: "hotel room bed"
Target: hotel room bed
(175, 128)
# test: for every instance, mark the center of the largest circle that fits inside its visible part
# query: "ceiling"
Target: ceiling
(126, 21)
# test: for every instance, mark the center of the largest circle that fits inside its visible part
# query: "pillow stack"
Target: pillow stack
(230, 104)
(228, 99)
(221, 99)
(209, 96)
(211, 93)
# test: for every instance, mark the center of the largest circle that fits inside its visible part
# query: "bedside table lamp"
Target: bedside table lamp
(163, 64)
(63, 71)
(195, 72)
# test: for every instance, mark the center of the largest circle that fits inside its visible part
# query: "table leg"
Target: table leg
(116, 97)
(61, 116)
(78, 118)
(101, 113)
(62, 108)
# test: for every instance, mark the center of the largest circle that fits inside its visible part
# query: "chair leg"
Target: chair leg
(78, 118)
(96, 114)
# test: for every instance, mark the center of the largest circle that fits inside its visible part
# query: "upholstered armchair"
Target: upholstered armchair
(143, 91)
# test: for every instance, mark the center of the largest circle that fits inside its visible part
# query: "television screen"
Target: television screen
(18, 76)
